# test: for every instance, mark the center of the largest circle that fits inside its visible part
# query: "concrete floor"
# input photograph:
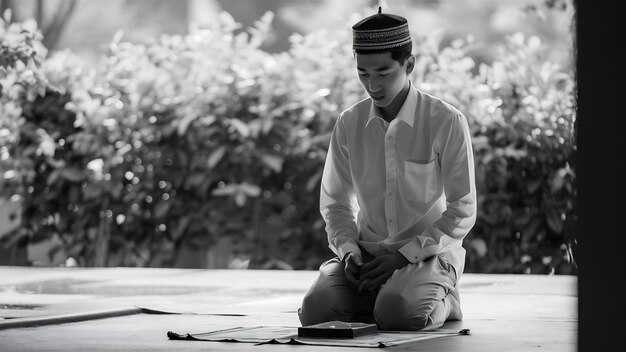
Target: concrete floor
(57, 309)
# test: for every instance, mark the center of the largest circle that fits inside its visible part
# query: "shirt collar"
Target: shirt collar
(406, 113)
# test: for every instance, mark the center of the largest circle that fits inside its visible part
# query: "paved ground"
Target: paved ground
(66, 309)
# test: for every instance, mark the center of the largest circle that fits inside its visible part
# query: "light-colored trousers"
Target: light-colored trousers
(419, 296)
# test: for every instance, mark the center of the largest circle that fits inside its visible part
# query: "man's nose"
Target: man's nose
(374, 85)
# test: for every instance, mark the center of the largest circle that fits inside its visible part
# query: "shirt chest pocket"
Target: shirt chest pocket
(420, 181)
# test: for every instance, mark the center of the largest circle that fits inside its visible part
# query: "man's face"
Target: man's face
(381, 76)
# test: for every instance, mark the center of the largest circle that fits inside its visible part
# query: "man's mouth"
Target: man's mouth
(380, 97)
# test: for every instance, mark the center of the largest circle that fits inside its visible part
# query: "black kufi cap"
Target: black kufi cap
(380, 32)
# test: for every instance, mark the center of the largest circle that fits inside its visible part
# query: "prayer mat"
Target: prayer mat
(259, 335)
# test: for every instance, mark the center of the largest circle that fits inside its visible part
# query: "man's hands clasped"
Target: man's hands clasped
(371, 275)
(352, 266)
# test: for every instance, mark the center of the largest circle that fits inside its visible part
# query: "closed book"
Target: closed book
(336, 329)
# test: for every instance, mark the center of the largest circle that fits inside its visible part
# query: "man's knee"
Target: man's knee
(394, 312)
(317, 306)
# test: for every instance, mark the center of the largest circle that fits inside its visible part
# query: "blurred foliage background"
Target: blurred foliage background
(205, 148)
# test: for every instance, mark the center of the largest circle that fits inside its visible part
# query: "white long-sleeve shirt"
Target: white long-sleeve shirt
(404, 186)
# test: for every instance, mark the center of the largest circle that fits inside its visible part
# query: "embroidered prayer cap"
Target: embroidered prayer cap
(380, 31)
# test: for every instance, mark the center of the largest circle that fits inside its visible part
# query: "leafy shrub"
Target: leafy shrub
(21, 82)
(192, 139)
(526, 158)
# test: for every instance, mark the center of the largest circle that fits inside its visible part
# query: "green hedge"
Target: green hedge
(200, 137)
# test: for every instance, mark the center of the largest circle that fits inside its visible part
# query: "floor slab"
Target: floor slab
(503, 312)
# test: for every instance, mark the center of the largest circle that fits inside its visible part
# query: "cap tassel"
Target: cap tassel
(380, 9)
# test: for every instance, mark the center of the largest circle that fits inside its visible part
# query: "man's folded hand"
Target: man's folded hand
(376, 272)
(352, 266)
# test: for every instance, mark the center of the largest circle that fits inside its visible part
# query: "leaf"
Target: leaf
(554, 221)
(480, 142)
(514, 153)
(267, 125)
(313, 181)
(225, 191)
(215, 157)
(250, 189)
(240, 126)
(53, 177)
(92, 191)
(182, 225)
(533, 186)
(72, 174)
(274, 162)
(479, 245)
(238, 263)
(168, 130)
(162, 208)
(557, 183)
(184, 123)
(532, 228)
(559, 179)
(196, 179)
(322, 140)
(240, 199)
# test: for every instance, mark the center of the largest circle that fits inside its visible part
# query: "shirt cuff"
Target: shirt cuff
(346, 248)
(411, 251)
(414, 251)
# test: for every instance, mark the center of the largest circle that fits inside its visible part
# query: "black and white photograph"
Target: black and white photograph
(306, 175)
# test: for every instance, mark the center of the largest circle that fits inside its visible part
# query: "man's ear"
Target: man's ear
(410, 64)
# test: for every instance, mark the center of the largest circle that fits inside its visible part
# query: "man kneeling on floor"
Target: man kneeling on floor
(398, 195)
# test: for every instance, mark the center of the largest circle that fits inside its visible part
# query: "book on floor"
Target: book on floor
(337, 329)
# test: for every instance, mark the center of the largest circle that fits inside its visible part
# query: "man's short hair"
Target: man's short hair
(400, 53)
